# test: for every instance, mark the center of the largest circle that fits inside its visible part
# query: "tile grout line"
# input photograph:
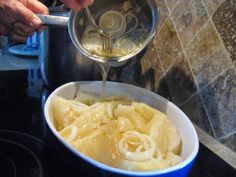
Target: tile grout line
(167, 7)
(221, 40)
(202, 102)
(173, 62)
(170, 12)
(158, 58)
(215, 8)
(228, 135)
(162, 26)
(207, 113)
(204, 5)
(218, 7)
(198, 29)
(189, 98)
(220, 74)
(163, 75)
(169, 16)
(160, 63)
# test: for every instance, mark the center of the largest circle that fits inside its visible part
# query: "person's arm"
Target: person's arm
(18, 18)
(77, 4)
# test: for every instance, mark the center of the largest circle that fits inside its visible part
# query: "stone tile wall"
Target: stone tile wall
(192, 62)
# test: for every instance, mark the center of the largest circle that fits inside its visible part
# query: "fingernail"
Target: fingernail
(91, 2)
(35, 22)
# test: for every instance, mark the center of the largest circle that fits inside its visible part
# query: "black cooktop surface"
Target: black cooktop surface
(28, 148)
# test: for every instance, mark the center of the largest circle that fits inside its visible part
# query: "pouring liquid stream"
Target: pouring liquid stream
(104, 69)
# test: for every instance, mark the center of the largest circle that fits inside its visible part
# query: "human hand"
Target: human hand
(77, 4)
(18, 19)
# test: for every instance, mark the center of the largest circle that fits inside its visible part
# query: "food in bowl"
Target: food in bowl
(186, 130)
(118, 132)
(127, 25)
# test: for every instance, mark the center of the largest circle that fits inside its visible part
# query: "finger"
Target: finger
(26, 29)
(21, 33)
(2, 30)
(26, 16)
(35, 6)
(85, 3)
(73, 4)
(17, 38)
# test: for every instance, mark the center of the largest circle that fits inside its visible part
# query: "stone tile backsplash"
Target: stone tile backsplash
(225, 22)
(152, 70)
(207, 55)
(171, 4)
(230, 141)
(196, 110)
(219, 98)
(212, 5)
(192, 62)
(180, 80)
(163, 13)
(188, 17)
(167, 44)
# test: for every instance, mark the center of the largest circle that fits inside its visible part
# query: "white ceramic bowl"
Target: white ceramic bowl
(186, 129)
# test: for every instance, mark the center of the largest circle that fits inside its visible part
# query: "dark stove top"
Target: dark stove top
(28, 148)
(20, 151)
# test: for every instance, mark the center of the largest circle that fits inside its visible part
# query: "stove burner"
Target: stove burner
(21, 155)
(8, 166)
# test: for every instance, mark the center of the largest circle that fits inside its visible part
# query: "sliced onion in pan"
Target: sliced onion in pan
(113, 22)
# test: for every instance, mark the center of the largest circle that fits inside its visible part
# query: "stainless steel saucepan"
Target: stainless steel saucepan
(77, 22)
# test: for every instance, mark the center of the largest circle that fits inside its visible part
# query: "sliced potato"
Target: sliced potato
(61, 112)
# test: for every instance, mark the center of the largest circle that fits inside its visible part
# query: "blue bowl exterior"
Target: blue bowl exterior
(182, 172)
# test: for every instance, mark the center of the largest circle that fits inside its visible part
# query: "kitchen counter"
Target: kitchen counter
(15, 62)
(28, 148)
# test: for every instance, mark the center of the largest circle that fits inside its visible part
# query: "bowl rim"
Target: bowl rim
(108, 168)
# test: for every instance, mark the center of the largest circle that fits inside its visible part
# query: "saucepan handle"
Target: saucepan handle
(54, 20)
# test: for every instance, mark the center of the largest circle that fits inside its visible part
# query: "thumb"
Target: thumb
(26, 16)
